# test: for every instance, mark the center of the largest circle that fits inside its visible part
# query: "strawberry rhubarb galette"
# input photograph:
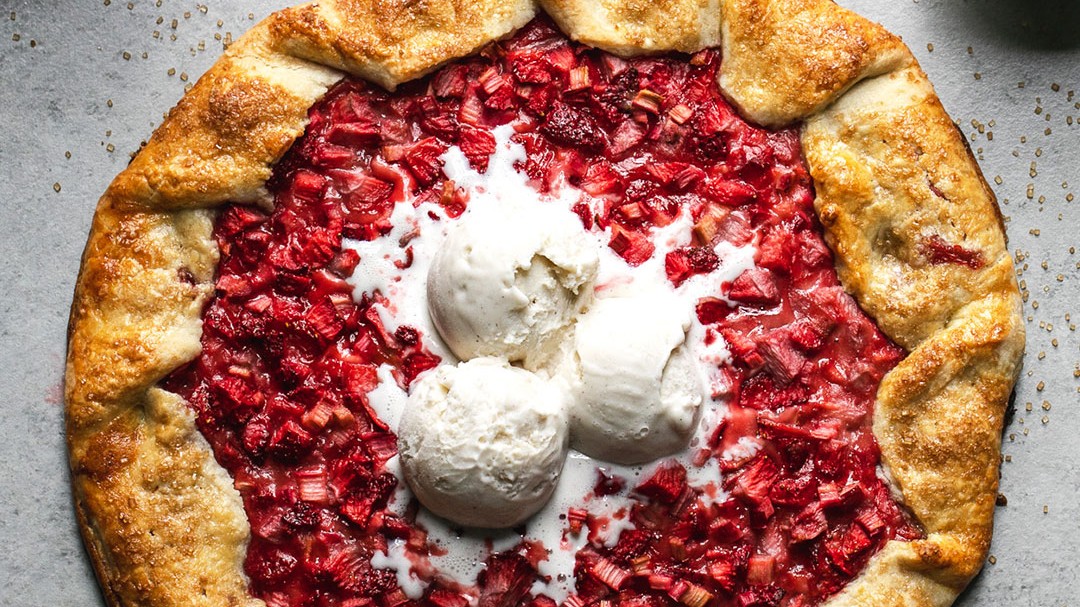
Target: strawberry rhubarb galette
(609, 304)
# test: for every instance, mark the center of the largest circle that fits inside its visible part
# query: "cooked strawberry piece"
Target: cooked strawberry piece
(683, 263)
(355, 134)
(270, 567)
(712, 311)
(502, 98)
(330, 156)
(782, 360)
(754, 481)
(478, 145)
(290, 441)
(755, 286)
(324, 320)
(423, 160)
(813, 252)
(236, 220)
(530, 65)
(450, 82)
(572, 127)
(416, 363)
(844, 546)
(443, 125)
(809, 523)
(939, 251)
(626, 137)
(871, 520)
(505, 580)
(730, 193)
(600, 178)
(343, 264)
(795, 491)
(441, 597)
(734, 228)
(763, 392)
(666, 485)
(358, 379)
(768, 596)
(607, 484)
(634, 247)
(743, 349)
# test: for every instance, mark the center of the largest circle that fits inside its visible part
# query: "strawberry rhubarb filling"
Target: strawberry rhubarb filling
(665, 219)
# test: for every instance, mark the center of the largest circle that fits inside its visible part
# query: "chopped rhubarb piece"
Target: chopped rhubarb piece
(311, 483)
(607, 572)
(648, 100)
(579, 79)
(317, 417)
(472, 110)
(681, 113)
(659, 581)
(642, 565)
(577, 518)
(759, 570)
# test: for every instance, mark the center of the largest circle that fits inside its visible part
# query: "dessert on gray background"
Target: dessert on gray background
(84, 83)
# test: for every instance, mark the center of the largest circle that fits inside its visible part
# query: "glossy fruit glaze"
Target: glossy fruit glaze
(289, 357)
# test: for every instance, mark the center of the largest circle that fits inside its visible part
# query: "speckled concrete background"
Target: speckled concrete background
(82, 83)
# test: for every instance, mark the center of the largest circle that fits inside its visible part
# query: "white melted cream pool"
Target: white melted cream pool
(404, 302)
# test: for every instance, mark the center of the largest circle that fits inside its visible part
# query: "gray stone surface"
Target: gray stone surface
(93, 79)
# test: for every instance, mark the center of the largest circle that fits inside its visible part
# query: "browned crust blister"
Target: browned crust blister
(162, 523)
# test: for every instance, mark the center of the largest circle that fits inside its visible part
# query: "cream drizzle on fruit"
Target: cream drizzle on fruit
(399, 280)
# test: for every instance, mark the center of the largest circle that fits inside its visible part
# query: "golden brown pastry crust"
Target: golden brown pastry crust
(161, 520)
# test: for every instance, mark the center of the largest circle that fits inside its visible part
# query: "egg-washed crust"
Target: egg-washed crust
(160, 518)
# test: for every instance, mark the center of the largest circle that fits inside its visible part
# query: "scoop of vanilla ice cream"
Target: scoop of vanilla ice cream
(635, 387)
(509, 280)
(483, 443)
